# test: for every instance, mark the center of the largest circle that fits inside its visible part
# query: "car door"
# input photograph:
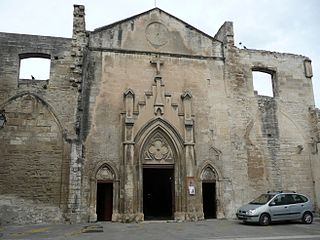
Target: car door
(296, 206)
(279, 209)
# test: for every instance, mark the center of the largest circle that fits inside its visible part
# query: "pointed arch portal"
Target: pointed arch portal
(158, 192)
(104, 192)
(159, 157)
(209, 198)
(158, 177)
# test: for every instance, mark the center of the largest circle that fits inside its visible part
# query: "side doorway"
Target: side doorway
(104, 200)
(209, 178)
(209, 200)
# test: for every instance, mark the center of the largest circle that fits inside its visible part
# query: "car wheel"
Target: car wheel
(264, 219)
(307, 218)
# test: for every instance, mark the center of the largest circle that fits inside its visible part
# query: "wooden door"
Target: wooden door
(104, 201)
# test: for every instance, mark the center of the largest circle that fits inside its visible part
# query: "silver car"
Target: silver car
(277, 206)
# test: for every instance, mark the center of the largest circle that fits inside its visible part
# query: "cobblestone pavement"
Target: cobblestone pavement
(203, 230)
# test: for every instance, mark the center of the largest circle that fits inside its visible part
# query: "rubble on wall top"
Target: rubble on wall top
(275, 52)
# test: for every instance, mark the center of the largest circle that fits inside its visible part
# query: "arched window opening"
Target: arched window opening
(35, 67)
(262, 83)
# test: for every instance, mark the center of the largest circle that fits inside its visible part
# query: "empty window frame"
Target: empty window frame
(34, 66)
(263, 83)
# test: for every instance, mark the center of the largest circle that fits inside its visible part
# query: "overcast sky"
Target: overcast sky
(290, 26)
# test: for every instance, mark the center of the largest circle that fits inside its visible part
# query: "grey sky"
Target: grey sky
(290, 26)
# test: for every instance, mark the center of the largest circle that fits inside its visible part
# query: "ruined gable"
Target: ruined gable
(155, 31)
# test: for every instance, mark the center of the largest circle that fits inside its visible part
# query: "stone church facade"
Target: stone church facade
(150, 118)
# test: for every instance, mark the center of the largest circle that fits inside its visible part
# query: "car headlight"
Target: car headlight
(251, 212)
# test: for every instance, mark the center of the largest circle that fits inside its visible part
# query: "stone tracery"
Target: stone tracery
(208, 175)
(104, 173)
(158, 149)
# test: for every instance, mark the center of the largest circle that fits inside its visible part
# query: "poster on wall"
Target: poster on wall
(192, 190)
(191, 187)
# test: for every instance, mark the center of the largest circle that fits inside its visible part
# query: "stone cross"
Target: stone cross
(158, 62)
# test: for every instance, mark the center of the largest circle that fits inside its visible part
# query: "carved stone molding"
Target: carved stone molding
(214, 153)
(157, 34)
(308, 68)
(159, 103)
(104, 173)
(129, 106)
(208, 175)
(158, 150)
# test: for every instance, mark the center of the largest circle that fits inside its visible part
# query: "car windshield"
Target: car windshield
(262, 199)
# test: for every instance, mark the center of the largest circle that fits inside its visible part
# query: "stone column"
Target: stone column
(188, 134)
(193, 212)
(129, 186)
(74, 201)
(93, 198)
(116, 216)
(79, 42)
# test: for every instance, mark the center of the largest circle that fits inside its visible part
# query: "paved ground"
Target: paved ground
(203, 230)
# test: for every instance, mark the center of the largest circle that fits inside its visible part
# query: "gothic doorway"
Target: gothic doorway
(158, 192)
(209, 199)
(209, 181)
(104, 200)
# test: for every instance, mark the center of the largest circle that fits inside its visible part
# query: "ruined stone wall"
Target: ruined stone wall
(271, 135)
(33, 167)
(40, 118)
(56, 91)
(315, 157)
(107, 88)
(31, 152)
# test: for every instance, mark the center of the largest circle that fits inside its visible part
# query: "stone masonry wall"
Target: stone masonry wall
(34, 149)
(261, 140)
(274, 129)
(57, 91)
(31, 152)
(315, 148)
(137, 34)
(103, 143)
(106, 87)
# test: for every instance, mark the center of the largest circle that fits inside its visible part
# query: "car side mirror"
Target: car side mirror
(272, 204)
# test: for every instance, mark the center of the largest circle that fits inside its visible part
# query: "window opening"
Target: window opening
(34, 68)
(262, 83)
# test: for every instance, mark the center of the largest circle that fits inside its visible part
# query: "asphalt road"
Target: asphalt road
(149, 230)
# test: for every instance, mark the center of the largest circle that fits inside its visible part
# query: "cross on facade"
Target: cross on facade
(158, 62)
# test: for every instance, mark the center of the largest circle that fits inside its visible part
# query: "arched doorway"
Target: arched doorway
(158, 192)
(209, 197)
(158, 177)
(161, 176)
(104, 200)
(104, 197)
